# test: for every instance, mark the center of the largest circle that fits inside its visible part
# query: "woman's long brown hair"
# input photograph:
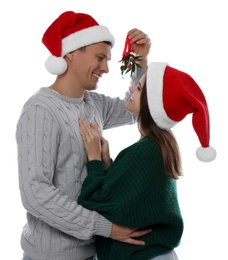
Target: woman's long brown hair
(165, 139)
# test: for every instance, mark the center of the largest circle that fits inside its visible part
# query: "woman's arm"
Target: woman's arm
(97, 147)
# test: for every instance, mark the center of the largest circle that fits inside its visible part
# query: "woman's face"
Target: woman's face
(133, 104)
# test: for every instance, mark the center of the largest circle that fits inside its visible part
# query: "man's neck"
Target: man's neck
(66, 89)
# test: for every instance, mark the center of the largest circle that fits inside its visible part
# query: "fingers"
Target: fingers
(96, 128)
(98, 132)
(135, 234)
(139, 37)
(82, 123)
(139, 233)
(134, 242)
(141, 44)
(89, 132)
(133, 32)
(84, 129)
(91, 141)
(128, 235)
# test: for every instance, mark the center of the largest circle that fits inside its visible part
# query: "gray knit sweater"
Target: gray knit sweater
(52, 167)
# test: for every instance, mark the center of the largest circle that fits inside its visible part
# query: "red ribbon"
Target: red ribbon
(127, 47)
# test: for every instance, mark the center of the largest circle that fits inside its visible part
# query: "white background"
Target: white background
(190, 36)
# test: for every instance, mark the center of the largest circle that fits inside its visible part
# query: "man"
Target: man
(51, 155)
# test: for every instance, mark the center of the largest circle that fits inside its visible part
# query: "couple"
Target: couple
(52, 160)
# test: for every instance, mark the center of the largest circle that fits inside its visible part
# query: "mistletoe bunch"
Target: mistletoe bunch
(129, 63)
(129, 60)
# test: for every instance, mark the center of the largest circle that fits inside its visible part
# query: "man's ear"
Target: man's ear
(70, 56)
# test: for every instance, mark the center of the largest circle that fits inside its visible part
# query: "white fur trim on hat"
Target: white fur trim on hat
(155, 74)
(94, 34)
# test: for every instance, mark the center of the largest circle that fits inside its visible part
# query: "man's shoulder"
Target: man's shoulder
(39, 98)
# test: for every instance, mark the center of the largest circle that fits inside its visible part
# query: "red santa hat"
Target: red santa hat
(69, 32)
(172, 94)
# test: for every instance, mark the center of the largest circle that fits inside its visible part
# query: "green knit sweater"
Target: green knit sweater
(135, 192)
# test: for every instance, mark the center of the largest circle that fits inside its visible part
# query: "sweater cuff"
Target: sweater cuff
(103, 227)
(139, 72)
(106, 169)
(95, 166)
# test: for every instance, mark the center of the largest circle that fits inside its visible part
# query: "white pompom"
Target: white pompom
(207, 154)
(56, 65)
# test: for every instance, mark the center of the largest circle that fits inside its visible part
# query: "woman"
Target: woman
(138, 189)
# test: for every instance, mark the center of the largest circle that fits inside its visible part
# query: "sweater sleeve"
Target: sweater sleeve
(96, 194)
(113, 111)
(38, 138)
(93, 182)
(139, 72)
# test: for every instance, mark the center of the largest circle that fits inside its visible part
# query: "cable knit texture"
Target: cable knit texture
(52, 168)
(135, 192)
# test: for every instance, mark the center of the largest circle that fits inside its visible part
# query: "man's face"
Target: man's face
(89, 65)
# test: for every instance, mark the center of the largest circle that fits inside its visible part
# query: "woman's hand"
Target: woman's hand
(91, 140)
(97, 147)
(105, 155)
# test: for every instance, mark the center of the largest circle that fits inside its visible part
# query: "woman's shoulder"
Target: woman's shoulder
(143, 147)
(147, 144)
